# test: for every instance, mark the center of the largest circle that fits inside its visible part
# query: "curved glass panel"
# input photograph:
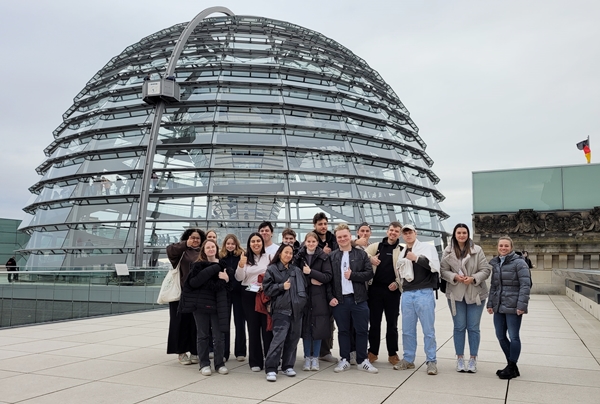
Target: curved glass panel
(275, 122)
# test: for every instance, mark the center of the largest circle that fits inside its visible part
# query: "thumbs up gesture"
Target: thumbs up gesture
(375, 260)
(306, 269)
(347, 273)
(287, 284)
(326, 249)
(243, 260)
(223, 275)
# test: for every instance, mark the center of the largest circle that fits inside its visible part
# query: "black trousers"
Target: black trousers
(286, 334)
(382, 300)
(239, 321)
(259, 339)
(207, 324)
(327, 344)
(182, 332)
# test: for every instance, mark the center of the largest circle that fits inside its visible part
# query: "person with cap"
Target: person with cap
(418, 300)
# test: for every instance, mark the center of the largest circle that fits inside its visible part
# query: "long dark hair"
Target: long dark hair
(461, 253)
(277, 258)
(249, 250)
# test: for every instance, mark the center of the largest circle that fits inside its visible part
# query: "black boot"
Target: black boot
(501, 370)
(510, 372)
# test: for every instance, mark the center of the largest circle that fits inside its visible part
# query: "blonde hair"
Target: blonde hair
(238, 248)
(342, 226)
(311, 234)
(507, 239)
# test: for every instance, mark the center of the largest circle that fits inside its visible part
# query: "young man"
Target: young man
(363, 234)
(418, 300)
(351, 270)
(328, 244)
(384, 293)
(266, 231)
(326, 238)
(288, 236)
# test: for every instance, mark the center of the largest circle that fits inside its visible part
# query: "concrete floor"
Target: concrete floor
(121, 359)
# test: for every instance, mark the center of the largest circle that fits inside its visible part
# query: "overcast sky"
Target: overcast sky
(491, 84)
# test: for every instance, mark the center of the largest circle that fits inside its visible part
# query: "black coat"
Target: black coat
(231, 263)
(362, 272)
(317, 312)
(203, 291)
(291, 301)
(510, 285)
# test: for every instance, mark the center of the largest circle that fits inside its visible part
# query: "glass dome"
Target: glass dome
(275, 122)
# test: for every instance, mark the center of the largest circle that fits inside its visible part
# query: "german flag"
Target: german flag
(585, 146)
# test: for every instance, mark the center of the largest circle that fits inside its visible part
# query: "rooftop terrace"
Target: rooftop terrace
(121, 359)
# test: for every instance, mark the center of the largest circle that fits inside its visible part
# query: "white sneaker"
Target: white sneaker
(342, 366)
(353, 358)
(223, 370)
(314, 364)
(206, 371)
(472, 366)
(289, 372)
(328, 358)
(367, 367)
(255, 369)
(460, 365)
(240, 358)
(307, 362)
(194, 359)
(271, 376)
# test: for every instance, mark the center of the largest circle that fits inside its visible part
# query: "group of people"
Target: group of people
(281, 293)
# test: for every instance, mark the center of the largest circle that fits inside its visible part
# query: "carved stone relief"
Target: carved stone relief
(528, 221)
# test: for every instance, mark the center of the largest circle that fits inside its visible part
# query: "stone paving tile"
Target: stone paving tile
(26, 386)
(122, 359)
(98, 393)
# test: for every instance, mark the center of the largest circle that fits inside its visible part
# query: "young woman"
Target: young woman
(509, 297)
(230, 253)
(206, 294)
(211, 235)
(182, 328)
(466, 269)
(316, 326)
(247, 272)
(285, 284)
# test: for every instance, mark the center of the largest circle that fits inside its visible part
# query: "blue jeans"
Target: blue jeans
(418, 305)
(311, 347)
(345, 311)
(510, 323)
(468, 317)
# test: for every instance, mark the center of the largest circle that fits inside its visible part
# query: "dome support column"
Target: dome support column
(158, 114)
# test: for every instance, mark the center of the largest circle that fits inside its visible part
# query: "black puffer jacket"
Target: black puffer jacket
(317, 312)
(362, 272)
(291, 301)
(510, 285)
(203, 291)
(231, 262)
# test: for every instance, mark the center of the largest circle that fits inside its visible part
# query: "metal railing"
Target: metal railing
(40, 296)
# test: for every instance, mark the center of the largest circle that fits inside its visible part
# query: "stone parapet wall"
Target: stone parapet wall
(554, 240)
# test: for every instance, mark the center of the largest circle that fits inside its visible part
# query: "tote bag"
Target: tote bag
(170, 290)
